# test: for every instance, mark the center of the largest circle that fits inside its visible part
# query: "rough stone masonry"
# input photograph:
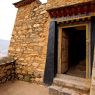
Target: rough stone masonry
(30, 37)
(7, 69)
(29, 41)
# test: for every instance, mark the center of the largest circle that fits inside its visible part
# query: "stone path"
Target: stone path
(22, 88)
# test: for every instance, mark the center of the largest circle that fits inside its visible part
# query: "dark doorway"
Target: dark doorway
(74, 51)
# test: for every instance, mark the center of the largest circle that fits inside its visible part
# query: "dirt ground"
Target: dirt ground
(22, 88)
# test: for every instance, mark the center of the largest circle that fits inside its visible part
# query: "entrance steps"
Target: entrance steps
(69, 85)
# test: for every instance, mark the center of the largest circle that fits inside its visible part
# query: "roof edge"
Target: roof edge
(24, 2)
(64, 6)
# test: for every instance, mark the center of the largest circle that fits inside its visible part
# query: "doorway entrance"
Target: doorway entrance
(74, 51)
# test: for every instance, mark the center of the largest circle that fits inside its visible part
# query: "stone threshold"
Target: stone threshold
(72, 82)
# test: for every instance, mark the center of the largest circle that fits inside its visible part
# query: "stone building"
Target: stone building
(53, 43)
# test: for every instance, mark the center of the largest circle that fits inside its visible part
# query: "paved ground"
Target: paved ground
(22, 88)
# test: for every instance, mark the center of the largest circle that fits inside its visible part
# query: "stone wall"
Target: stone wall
(7, 69)
(29, 42)
(59, 3)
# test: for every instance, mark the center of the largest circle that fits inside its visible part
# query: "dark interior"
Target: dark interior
(76, 51)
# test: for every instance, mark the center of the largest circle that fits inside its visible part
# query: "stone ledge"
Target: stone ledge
(6, 60)
(7, 69)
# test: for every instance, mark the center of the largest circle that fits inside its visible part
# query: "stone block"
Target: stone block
(27, 78)
(20, 77)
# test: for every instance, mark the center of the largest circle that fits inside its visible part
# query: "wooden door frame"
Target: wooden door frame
(88, 47)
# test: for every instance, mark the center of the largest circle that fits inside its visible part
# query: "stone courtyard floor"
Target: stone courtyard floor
(22, 88)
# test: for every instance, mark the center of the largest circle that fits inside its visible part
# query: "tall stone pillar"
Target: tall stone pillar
(29, 40)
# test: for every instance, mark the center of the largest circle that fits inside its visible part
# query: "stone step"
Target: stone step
(56, 90)
(72, 82)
